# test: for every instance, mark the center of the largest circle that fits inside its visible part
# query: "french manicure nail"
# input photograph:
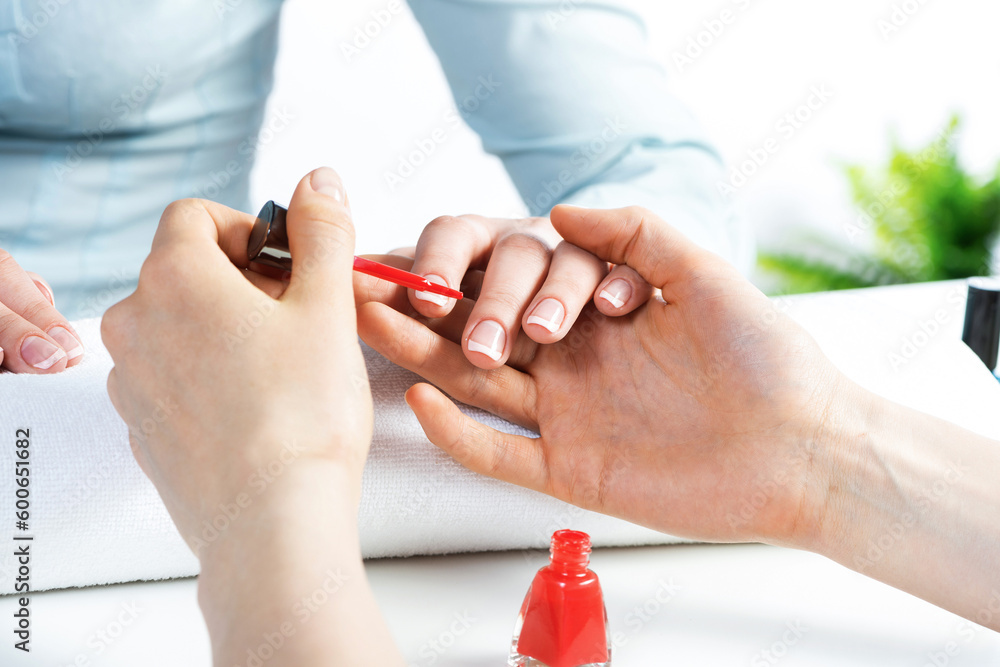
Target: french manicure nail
(325, 181)
(45, 292)
(69, 342)
(616, 292)
(438, 299)
(488, 338)
(549, 313)
(40, 353)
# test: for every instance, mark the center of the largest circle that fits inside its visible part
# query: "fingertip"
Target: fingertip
(430, 304)
(327, 182)
(543, 321)
(621, 292)
(43, 287)
(419, 395)
(321, 238)
(430, 407)
(485, 344)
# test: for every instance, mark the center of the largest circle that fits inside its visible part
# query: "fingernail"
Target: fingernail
(45, 291)
(438, 299)
(549, 313)
(488, 338)
(69, 342)
(40, 353)
(616, 292)
(325, 181)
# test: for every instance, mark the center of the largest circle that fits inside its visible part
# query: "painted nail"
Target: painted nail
(69, 342)
(438, 299)
(488, 338)
(616, 292)
(40, 353)
(46, 292)
(549, 313)
(325, 181)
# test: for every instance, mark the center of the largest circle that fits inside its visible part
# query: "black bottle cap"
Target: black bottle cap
(268, 242)
(982, 319)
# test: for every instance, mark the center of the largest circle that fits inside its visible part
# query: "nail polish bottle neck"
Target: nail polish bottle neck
(569, 552)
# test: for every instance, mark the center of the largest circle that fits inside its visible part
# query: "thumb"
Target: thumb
(320, 239)
(633, 236)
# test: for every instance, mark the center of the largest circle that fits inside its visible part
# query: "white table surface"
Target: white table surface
(700, 605)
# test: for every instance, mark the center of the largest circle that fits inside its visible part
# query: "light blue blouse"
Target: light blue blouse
(110, 110)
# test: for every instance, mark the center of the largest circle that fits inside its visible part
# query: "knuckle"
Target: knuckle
(504, 300)
(110, 325)
(9, 321)
(322, 209)
(468, 219)
(7, 262)
(40, 312)
(635, 212)
(157, 269)
(524, 243)
(182, 210)
(445, 224)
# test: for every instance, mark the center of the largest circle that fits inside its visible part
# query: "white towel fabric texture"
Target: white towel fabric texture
(96, 519)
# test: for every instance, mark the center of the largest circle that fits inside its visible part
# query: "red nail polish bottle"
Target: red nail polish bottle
(563, 622)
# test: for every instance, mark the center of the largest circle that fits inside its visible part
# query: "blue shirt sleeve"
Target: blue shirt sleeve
(565, 94)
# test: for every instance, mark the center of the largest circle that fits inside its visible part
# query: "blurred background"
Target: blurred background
(891, 177)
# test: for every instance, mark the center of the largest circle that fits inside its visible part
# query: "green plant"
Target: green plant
(929, 220)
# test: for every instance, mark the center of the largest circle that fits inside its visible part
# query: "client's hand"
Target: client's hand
(676, 416)
(34, 337)
(252, 416)
(522, 277)
(710, 415)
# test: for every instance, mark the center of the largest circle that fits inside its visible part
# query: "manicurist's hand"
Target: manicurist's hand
(34, 337)
(523, 277)
(708, 414)
(248, 407)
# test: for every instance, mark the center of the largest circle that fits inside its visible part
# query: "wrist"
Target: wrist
(840, 446)
(302, 524)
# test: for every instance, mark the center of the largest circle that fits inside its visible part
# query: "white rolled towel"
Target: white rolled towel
(96, 519)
